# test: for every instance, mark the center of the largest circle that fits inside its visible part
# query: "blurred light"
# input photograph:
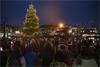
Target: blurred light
(93, 34)
(17, 32)
(98, 39)
(70, 31)
(61, 25)
(93, 31)
(93, 41)
(1, 35)
(9, 37)
(92, 38)
(73, 33)
(9, 33)
(90, 30)
(11, 42)
(1, 49)
(85, 35)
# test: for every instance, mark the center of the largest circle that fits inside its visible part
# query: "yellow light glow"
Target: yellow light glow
(61, 25)
(17, 32)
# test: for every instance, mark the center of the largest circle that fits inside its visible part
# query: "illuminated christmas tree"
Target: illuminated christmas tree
(31, 23)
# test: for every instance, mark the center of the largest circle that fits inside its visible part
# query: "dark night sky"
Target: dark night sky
(70, 12)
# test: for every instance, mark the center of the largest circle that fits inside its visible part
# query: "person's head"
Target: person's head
(17, 43)
(13, 47)
(64, 48)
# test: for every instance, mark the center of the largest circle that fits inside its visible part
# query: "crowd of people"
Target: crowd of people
(49, 52)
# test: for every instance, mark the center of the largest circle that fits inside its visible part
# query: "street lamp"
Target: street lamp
(61, 25)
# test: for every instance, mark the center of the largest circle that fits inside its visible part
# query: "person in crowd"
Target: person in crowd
(31, 56)
(71, 52)
(85, 58)
(15, 56)
(86, 52)
(47, 54)
(72, 48)
(69, 56)
(4, 46)
(78, 61)
(22, 46)
(97, 53)
(3, 57)
(60, 56)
